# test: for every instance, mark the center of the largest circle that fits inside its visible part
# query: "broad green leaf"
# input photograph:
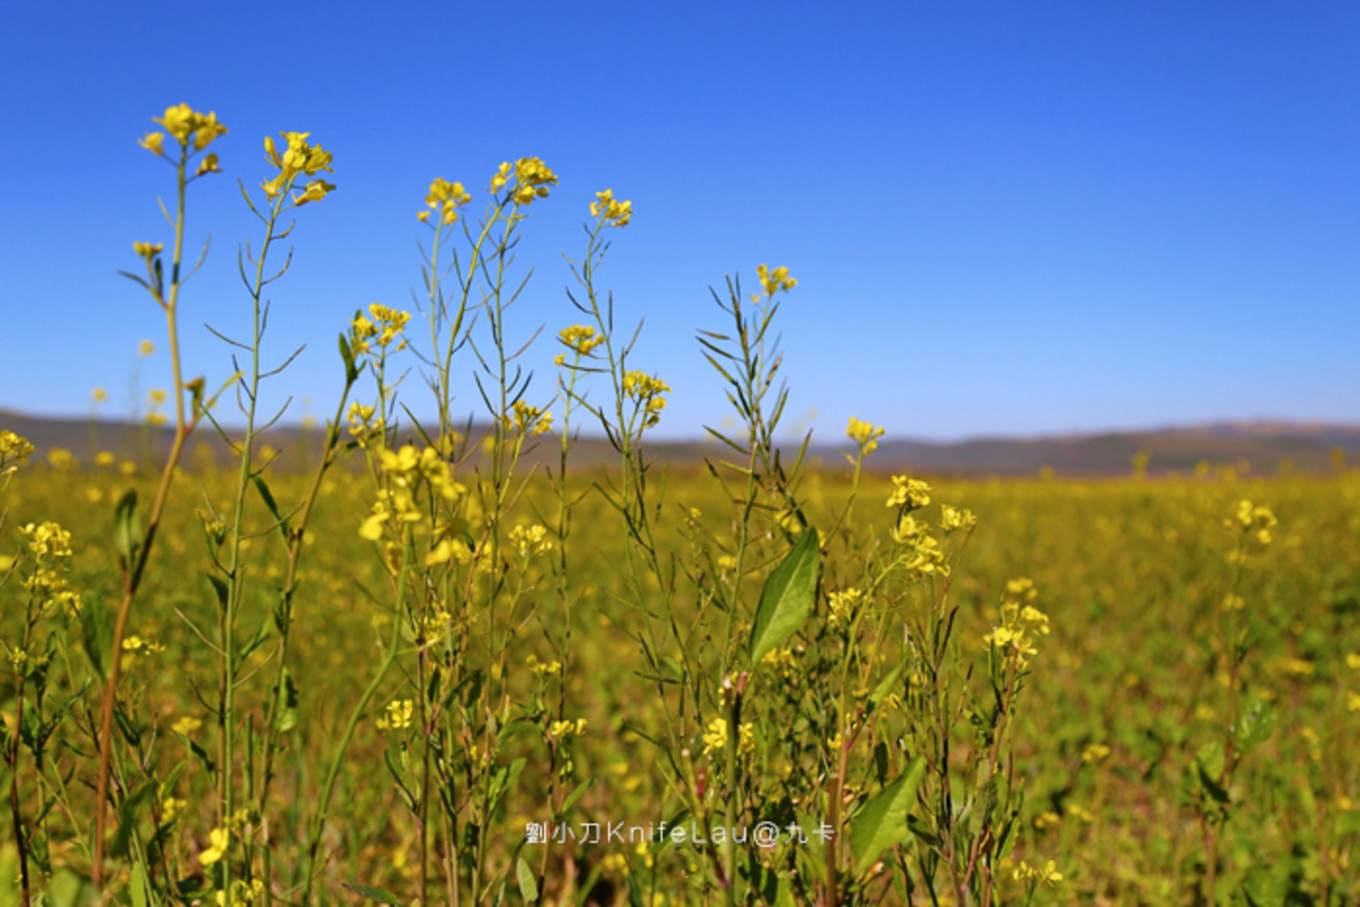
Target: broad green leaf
(528, 888)
(787, 597)
(882, 822)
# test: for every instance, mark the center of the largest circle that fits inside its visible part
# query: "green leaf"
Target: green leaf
(96, 635)
(286, 716)
(347, 354)
(380, 895)
(885, 686)
(220, 587)
(127, 532)
(882, 822)
(270, 504)
(71, 890)
(528, 888)
(137, 885)
(1255, 726)
(787, 597)
(634, 890)
(134, 803)
(575, 795)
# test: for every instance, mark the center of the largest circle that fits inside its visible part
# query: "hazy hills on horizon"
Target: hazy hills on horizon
(1269, 446)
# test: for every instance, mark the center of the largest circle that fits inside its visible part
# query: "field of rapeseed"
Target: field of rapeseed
(429, 664)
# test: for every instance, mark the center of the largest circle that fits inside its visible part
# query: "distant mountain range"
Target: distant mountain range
(1269, 447)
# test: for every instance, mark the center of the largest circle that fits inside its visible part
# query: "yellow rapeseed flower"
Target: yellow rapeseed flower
(909, 494)
(864, 434)
(220, 840)
(776, 280)
(615, 213)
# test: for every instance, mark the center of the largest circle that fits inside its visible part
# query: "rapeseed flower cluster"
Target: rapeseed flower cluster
(188, 127)
(14, 452)
(559, 730)
(843, 604)
(362, 426)
(531, 177)
(382, 329)
(715, 738)
(776, 280)
(446, 198)
(1021, 622)
(581, 339)
(922, 553)
(864, 434)
(614, 212)
(1046, 875)
(406, 469)
(1255, 520)
(647, 391)
(50, 546)
(298, 158)
(908, 494)
(527, 420)
(530, 540)
(397, 716)
(952, 518)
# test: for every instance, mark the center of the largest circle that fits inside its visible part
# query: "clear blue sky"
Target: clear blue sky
(1006, 218)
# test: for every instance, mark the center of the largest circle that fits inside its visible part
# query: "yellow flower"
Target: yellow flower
(775, 280)
(646, 390)
(47, 540)
(952, 518)
(1046, 819)
(1353, 661)
(186, 124)
(146, 349)
(1094, 753)
(60, 458)
(863, 434)
(542, 668)
(580, 339)
(154, 142)
(615, 213)
(843, 605)
(910, 494)
(399, 713)
(715, 738)
(446, 198)
(500, 177)
(99, 395)
(220, 839)
(315, 191)
(530, 540)
(186, 725)
(561, 729)
(532, 179)
(1048, 875)
(208, 165)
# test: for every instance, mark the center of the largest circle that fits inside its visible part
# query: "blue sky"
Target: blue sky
(1008, 218)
